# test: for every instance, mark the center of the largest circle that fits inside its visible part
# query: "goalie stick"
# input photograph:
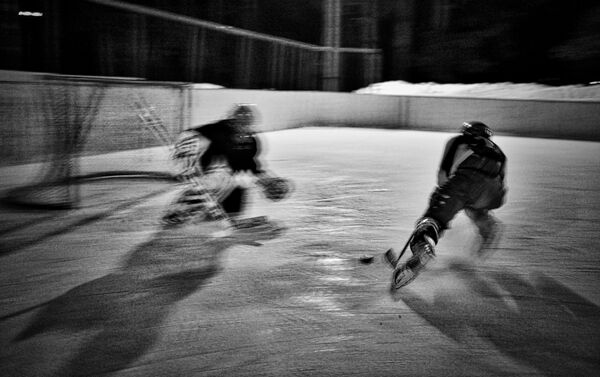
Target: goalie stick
(152, 121)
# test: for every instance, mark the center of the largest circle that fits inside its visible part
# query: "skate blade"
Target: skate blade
(402, 279)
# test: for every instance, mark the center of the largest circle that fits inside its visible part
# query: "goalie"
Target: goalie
(218, 163)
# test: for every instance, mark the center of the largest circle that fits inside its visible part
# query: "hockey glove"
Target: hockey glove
(275, 188)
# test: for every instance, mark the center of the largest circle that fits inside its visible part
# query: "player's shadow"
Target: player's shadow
(124, 310)
(537, 321)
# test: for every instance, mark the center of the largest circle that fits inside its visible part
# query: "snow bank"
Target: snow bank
(486, 90)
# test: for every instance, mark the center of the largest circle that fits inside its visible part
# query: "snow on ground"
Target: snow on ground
(488, 90)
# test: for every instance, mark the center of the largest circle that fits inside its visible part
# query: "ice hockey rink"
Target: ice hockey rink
(111, 293)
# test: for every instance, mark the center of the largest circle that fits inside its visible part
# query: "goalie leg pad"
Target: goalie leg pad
(192, 202)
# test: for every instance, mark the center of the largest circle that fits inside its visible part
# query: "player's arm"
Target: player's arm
(273, 187)
(444, 168)
(442, 177)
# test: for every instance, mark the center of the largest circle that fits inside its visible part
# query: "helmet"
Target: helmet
(244, 113)
(476, 129)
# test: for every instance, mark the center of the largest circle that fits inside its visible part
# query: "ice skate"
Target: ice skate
(423, 252)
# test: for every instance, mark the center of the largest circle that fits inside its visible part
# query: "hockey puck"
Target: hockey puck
(366, 259)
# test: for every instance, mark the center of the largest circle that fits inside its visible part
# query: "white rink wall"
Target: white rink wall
(291, 109)
(28, 135)
(563, 119)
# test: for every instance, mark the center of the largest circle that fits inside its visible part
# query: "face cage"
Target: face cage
(470, 130)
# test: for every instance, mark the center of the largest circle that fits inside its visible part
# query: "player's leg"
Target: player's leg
(422, 246)
(202, 197)
(234, 202)
(488, 226)
(444, 204)
(234, 205)
(192, 202)
(483, 220)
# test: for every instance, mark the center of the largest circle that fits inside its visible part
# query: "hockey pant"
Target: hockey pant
(467, 190)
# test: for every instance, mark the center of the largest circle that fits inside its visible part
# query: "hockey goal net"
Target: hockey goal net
(62, 131)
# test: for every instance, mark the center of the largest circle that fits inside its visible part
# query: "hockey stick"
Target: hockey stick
(390, 255)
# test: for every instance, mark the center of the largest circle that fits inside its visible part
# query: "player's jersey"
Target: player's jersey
(239, 152)
(468, 153)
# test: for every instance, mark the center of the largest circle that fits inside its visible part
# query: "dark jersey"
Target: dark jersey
(470, 153)
(240, 151)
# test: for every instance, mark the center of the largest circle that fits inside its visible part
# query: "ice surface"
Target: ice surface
(129, 298)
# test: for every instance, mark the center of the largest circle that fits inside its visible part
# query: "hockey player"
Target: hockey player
(216, 160)
(470, 178)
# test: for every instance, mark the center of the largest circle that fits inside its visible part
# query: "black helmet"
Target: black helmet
(476, 129)
(245, 113)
